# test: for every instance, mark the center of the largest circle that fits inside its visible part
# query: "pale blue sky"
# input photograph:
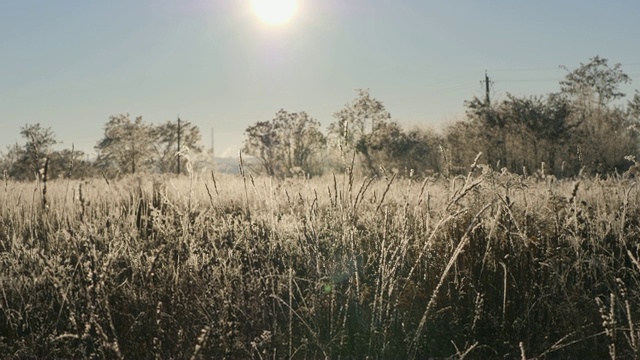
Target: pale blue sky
(69, 65)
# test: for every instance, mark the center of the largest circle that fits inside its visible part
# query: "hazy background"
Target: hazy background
(69, 65)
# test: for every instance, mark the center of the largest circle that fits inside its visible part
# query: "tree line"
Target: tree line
(587, 127)
(128, 146)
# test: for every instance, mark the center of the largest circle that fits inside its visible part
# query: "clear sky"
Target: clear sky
(69, 65)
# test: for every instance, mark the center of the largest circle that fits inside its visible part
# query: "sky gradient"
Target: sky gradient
(69, 65)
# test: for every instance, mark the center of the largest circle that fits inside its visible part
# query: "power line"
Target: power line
(527, 69)
(452, 89)
(527, 80)
(532, 69)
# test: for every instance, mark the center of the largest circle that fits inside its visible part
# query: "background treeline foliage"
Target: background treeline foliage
(587, 127)
(127, 146)
(131, 146)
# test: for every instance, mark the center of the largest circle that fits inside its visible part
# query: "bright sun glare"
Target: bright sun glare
(274, 12)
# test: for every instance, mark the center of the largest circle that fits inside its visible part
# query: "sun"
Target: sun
(274, 12)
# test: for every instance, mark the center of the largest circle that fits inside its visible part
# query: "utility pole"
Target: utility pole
(178, 145)
(486, 82)
(500, 152)
(213, 151)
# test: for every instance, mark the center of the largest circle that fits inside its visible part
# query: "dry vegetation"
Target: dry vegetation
(491, 265)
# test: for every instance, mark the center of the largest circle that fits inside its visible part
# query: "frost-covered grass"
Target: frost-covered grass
(490, 265)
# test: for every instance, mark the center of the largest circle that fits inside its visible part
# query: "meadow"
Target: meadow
(485, 265)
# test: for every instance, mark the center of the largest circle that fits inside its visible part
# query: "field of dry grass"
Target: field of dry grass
(491, 265)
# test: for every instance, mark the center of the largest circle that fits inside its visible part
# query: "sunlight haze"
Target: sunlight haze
(274, 12)
(69, 65)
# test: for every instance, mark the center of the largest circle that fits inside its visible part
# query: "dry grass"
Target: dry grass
(486, 266)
